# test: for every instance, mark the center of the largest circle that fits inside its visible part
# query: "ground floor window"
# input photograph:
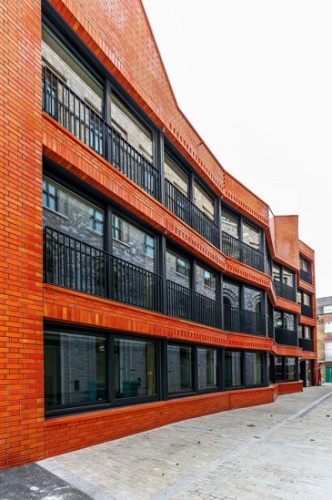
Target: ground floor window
(91, 370)
(134, 368)
(180, 369)
(75, 369)
(285, 369)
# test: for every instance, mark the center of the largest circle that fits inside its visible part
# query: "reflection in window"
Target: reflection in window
(75, 369)
(183, 267)
(50, 196)
(207, 368)
(251, 236)
(149, 244)
(134, 368)
(233, 367)
(96, 220)
(254, 368)
(290, 368)
(230, 224)
(179, 366)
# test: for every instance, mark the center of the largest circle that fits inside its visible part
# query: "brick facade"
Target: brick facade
(28, 134)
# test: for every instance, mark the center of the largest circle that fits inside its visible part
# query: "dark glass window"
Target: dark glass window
(180, 368)
(290, 369)
(253, 368)
(233, 368)
(96, 220)
(149, 245)
(207, 368)
(183, 267)
(134, 368)
(75, 370)
(50, 197)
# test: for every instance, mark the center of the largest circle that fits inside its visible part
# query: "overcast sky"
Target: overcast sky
(254, 77)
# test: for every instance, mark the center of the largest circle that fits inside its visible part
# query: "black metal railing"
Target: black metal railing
(242, 321)
(181, 206)
(285, 291)
(306, 310)
(80, 119)
(187, 304)
(72, 264)
(242, 252)
(286, 337)
(305, 275)
(306, 344)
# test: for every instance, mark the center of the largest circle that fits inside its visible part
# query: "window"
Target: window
(183, 267)
(179, 367)
(96, 220)
(50, 195)
(230, 224)
(328, 327)
(253, 368)
(73, 215)
(284, 320)
(327, 309)
(234, 368)
(149, 245)
(290, 369)
(134, 368)
(119, 229)
(203, 201)
(75, 370)
(251, 236)
(209, 280)
(207, 368)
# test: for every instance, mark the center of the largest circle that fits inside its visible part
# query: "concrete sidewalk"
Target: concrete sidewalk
(281, 450)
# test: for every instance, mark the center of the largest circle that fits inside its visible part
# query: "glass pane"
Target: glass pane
(252, 299)
(288, 278)
(207, 368)
(75, 369)
(278, 368)
(132, 244)
(276, 272)
(205, 282)
(73, 215)
(179, 365)
(175, 175)
(203, 201)
(289, 321)
(233, 368)
(290, 364)
(177, 269)
(254, 368)
(131, 129)
(134, 369)
(251, 236)
(71, 70)
(230, 224)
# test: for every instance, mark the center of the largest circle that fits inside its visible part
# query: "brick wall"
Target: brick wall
(21, 321)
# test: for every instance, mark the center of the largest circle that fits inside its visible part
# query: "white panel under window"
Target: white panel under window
(328, 327)
(328, 351)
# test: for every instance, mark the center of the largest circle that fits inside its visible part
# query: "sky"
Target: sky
(254, 78)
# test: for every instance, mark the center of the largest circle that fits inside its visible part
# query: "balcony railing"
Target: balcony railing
(306, 344)
(75, 115)
(181, 206)
(241, 251)
(187, 304)
(305, 276)
(285, 291)
(286, 337)
(306, 310)
(72, 264)
(240, 320)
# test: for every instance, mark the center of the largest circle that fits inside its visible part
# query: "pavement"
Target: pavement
(281, 450)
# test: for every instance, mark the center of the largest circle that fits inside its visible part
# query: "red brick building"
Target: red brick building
(141, 283)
